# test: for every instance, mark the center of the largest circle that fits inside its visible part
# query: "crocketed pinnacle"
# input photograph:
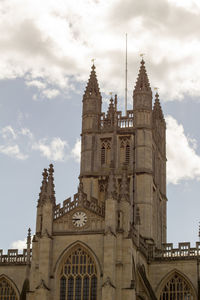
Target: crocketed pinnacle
(50, 184)
(92, 88)
(43, 189)
(29, 237)
(157, 110)
(142, 83)
(111, 109)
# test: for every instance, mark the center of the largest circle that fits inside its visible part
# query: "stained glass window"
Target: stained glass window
(78, 278)
(7, 292)
(176, 289)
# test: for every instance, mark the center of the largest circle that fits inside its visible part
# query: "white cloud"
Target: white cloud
(13, 140)
(13, 151)
(26, 132)
(183, 162)
(8, 132)
(76, 151)
(36, 83)
(55, 150)
(50, 43)
(20, 245)
(51, 93)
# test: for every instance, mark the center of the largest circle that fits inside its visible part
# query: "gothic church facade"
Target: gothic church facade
(109, 241)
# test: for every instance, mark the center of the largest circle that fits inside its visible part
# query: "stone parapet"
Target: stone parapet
(183, 251)
(14, 257)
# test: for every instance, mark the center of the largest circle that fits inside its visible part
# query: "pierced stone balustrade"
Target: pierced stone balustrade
(14, 257)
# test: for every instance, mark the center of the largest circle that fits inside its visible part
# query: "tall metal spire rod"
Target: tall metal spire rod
(126, 72)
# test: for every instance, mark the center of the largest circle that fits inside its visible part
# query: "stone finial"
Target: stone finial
(124, 192)
(50, 184)
(92, 88)
(43, 189)
(142, 83)
(111, 182)
(137, 218)
(157, 110)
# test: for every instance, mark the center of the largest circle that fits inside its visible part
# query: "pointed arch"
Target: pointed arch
(69, 247)
(175, 283)
(77, 273)
(8, 289)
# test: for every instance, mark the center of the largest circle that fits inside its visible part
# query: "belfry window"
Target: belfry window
(78, 278)
(176, 289)
(124, 150)
(7, 292)
(105, 152)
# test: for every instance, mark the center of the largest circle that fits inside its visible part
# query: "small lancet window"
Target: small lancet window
(103, 155)
(78, 278)
(127, 156)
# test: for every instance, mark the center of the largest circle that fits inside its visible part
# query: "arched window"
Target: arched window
(78, 277)
(177, 288)
(7, 292)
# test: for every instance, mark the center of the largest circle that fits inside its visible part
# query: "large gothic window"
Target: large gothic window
(177, 288)
(78, 277)
(7, 292)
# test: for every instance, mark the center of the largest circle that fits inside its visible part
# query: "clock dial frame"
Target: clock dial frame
(79, 219)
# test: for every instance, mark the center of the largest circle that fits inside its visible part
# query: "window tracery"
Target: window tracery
(7, 292)
(177, 288)
(78, 277)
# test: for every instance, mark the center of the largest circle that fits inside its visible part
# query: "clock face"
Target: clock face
(79, 219)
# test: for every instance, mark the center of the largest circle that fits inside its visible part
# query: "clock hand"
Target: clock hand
(76, 219)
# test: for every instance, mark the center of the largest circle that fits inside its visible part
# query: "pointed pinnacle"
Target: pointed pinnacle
(43, 188)
(29, 237)
(142, 83)
(92, 88)
(157, 109)
(50, 184)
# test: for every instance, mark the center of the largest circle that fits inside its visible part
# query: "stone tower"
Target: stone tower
(135, 142)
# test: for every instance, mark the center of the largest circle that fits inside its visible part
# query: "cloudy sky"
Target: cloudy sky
(46, 49)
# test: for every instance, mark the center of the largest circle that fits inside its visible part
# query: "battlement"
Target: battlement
(117, 120)
(14, 257)
(80, 199)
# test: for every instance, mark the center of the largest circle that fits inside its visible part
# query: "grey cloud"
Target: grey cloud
(159, 16)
